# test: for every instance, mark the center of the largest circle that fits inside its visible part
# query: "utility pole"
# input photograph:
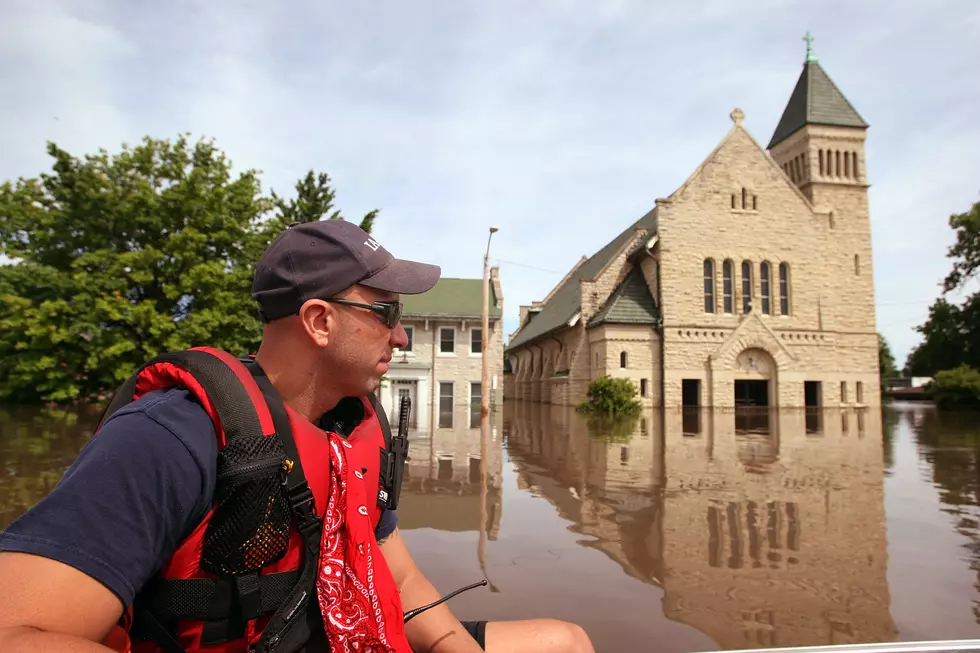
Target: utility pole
(484, 381)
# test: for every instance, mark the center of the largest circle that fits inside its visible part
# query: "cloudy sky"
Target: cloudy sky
(558, 121)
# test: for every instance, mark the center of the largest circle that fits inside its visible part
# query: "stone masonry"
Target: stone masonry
(759, 269)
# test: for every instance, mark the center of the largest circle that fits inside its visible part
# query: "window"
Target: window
(854, 164)
(843, 392)
(709, 286)
(410, 332)
(643, 390)
(726, 287)
(783, 289)
(765, 281)
(622, 359)
(476, 404)
(820, 157)
(445, 404)
(859, 392)
(746, 286)
(447, 340)
(476, 341)
(745, 196)
(857, 264)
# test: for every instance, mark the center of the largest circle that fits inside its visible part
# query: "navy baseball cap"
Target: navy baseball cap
(318, 260)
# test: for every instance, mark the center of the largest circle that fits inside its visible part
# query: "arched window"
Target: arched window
(820, 157)
(745, 195)
(765, 280)
(622, 359)
(746, 286)
(847, 164)
(854, 165)
(783, 289)
(727, 286)
(709, 286)
(837, 163)
(857, 264)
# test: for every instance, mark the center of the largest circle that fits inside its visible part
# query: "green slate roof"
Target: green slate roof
(816, 100)
(566, 301)
(630, 303)
(450, 297)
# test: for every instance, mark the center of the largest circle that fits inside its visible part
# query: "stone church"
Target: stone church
(751, 284)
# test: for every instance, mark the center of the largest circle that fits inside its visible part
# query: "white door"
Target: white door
(405, 389)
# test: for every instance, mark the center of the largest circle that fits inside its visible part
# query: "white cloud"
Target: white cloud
(560, 121)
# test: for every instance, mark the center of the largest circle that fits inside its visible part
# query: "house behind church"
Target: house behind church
(751, 284)
(441, 368)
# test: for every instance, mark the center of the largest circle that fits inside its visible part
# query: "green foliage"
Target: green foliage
(886, 363)
(965, 252)
(951, 334)
(121, 257)
(956, 389)
(313, 202)
(611, 396)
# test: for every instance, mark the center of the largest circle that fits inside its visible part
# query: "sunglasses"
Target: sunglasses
(390, 312)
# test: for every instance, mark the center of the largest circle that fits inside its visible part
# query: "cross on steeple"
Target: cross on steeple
(810, 57)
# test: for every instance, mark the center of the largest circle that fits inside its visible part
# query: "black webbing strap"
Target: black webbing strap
(382, 419)
(212, 599)
(284, 631)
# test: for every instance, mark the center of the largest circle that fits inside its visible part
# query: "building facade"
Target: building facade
(751, 284)
(441, 368)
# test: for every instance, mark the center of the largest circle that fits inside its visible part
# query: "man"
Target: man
(71, 566)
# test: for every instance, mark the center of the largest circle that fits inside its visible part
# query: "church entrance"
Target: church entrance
(750, 392)
(754, 379)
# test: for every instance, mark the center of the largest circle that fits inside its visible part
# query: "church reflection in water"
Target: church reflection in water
(762, 527)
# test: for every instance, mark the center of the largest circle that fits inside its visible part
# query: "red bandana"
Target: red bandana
(359, 600)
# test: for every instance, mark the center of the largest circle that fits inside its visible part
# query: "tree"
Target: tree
(951, 334)
(965, 252)
(886, 362)
(121, 257)
(611, 396)
(314, 201)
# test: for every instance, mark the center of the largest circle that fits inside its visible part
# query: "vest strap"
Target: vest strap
(213, 599)
(289, 627)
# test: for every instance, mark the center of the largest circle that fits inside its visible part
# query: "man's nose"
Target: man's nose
(399, 337)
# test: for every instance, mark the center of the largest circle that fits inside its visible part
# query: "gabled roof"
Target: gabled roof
(567, 299)
(816, 100)
(451, 297)
(630, 303)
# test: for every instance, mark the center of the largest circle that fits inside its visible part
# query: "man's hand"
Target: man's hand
(50, 606)
(436, 630)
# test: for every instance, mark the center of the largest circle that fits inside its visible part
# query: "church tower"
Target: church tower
(819, 144)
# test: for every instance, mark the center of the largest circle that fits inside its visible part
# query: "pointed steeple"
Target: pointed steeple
(816, 100)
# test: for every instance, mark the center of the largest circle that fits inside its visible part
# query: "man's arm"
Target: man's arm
(51, 606)
(69, 565)
(436, 630)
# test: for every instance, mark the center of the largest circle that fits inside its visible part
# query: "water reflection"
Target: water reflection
(693, 529)
(36, 447)
(775, 529)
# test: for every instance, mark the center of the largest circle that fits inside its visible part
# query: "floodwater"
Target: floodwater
(675, 531)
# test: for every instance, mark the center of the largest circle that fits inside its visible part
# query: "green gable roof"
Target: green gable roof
(816, 100)
(450, 297)
(567, 300)
(630, 303)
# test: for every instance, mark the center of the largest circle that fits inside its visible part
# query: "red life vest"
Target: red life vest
(245, 578)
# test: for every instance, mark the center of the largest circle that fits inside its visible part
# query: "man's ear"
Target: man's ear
(319, 321)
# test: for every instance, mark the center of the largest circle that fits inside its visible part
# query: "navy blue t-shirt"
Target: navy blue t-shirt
(134, 492)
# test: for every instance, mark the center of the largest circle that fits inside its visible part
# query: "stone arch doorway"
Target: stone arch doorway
(755, 378)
